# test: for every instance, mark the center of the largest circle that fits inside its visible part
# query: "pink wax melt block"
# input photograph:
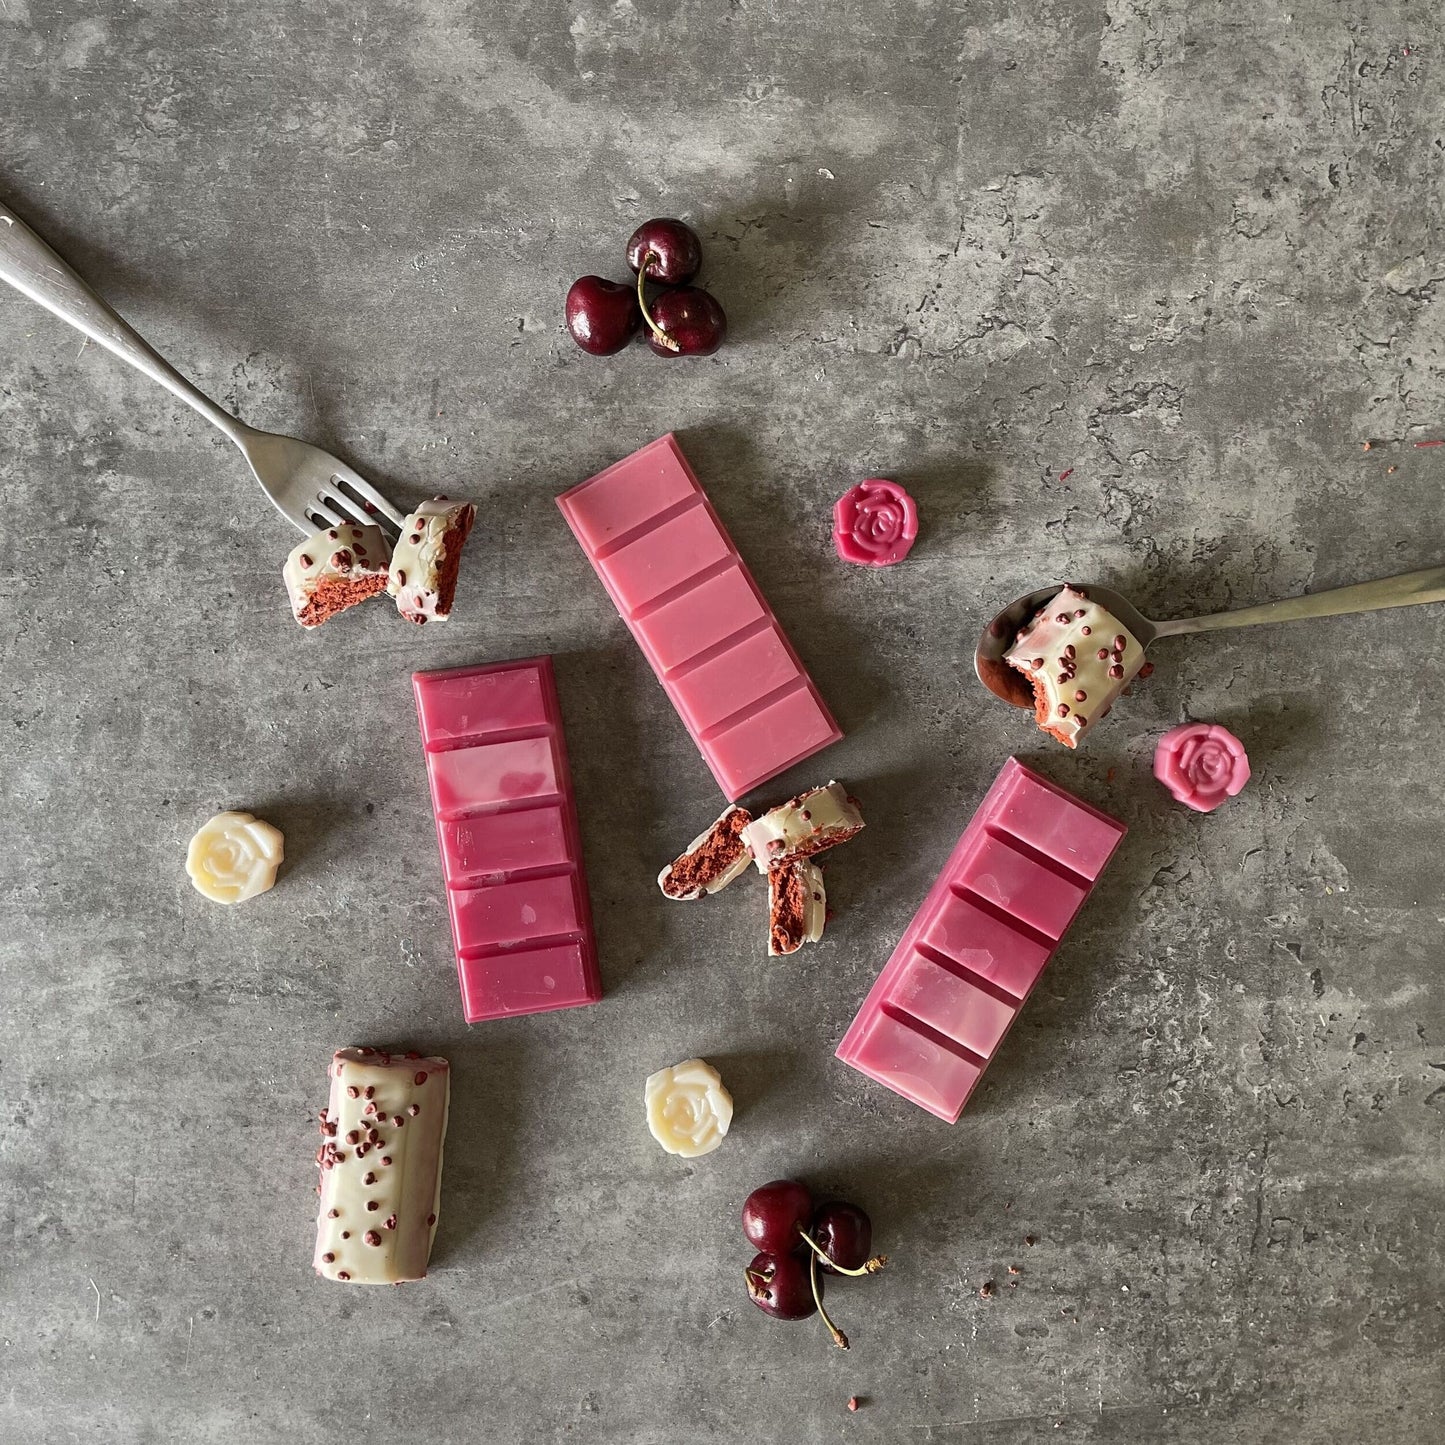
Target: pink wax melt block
(975, 949)
(507, 825)
(673, 573)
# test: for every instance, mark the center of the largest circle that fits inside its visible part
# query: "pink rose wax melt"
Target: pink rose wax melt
(874, 523)
(979, 941)
(507, 826)
(1201, 764)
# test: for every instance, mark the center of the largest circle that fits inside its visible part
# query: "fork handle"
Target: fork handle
(33, 269)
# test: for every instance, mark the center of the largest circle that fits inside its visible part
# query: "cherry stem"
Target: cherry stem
(648, 258)
(869, 1266)
(839, 1338)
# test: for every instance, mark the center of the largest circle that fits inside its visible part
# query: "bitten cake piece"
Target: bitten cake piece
(711, 861)
(797, 905)
(381, 1166)
(428, 553)
(335, 569)
(818, 819)
(1079, 657)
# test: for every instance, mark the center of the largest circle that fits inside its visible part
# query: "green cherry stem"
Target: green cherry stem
(663, 338)
(869, 1266)
(839, 1338)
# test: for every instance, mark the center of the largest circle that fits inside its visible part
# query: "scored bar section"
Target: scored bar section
(716, 647)
(975, 949)
(511, 851)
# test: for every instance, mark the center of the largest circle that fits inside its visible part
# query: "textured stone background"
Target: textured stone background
(1117, 290)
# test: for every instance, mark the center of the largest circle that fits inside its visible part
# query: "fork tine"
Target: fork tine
(321, 517)
(366, 493)
(333, 499)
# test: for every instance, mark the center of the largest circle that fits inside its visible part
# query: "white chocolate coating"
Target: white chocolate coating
(807, 824)
(711, 861)
(234, 857)
(797, 905)
(381, 1166)
(329, 559)
(424, 554)
(1079, 657)
(688, 1109)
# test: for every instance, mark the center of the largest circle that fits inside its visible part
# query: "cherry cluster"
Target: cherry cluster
(797, 1245)
(603, 316)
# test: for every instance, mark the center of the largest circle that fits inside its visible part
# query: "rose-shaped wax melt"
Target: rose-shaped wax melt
(688, 1110)
(874, 523)
(234, 857)
(1201, 764)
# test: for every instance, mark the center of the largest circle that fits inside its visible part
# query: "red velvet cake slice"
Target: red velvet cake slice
(797, 905)
(711, 861)
(335, 569)
(428, 554)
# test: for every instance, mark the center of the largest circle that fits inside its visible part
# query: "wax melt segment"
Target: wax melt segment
(974, 950)
(507, 826)
(673, 573)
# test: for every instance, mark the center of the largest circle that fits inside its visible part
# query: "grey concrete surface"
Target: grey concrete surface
(1117, 290)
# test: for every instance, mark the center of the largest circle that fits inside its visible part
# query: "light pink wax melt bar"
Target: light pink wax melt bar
(507, 825)
(673, 573)
(975, 949)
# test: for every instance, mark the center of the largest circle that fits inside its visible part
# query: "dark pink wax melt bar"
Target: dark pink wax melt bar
(507, 825)
(673, 573)
(975, 949)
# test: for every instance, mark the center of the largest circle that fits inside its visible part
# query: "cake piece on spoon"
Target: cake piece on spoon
(711, 861)
(1079, 658)
(335, 569)
(424, 564)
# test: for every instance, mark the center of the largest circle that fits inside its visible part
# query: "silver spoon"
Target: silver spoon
(1407, 590)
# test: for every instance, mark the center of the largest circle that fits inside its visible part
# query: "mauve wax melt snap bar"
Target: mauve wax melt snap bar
(673, 573)
(507, 825)
(976, 947)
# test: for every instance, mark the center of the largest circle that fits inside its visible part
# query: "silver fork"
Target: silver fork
(310, 488)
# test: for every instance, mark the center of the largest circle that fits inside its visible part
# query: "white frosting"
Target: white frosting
(381, 1166)
(815, 902)
(807, 824)
(732, 870)
(1079, 657)
(234, 857)
(688, 1110)
(344, 553)
(422, 554)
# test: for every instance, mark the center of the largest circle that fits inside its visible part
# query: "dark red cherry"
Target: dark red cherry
(670, 249)
(845, 1235)
(779, 1285)
(775, 1214)
(690, 321)
(603, 316)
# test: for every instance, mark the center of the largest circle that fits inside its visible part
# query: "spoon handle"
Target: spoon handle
(1407, 590)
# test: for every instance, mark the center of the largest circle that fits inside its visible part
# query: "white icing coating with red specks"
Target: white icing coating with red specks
(815, 820)
(423, 562)
(381, 1166)
(334, 555)
(1079, 657)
